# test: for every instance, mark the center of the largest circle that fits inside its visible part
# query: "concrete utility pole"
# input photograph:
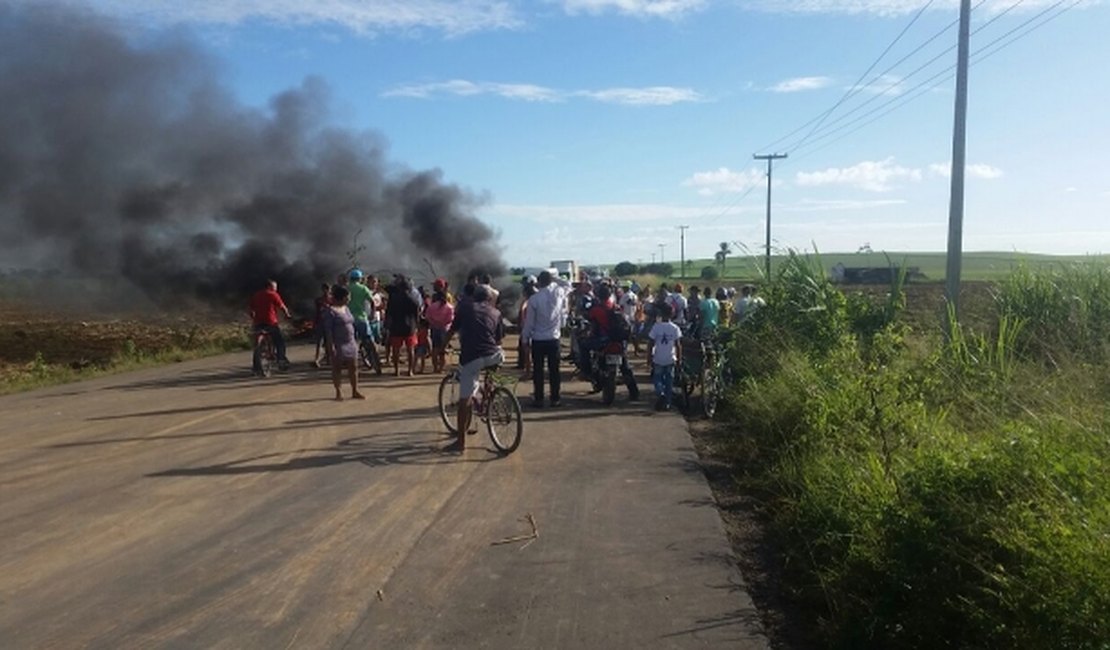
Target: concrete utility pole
(682, 253)
(661, 260)
(959, 158)
(770, 158)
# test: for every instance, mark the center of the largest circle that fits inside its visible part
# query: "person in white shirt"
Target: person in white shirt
(747, 305)
(665, 354)
(543, 325)
(678, 304)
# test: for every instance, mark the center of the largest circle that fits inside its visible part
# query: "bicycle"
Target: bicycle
(494, 404)
(265, 354)
(702, 369)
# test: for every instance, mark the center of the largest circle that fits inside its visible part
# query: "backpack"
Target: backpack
(619, 329)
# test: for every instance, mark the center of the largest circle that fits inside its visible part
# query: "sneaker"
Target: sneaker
(537, 403)
(556, 403)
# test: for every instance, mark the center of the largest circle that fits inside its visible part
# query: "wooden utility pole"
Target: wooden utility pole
(959, 158)
(770, 158)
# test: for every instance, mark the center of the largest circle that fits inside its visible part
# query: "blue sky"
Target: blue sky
(596, 127)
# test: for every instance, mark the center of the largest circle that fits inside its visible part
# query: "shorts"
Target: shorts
(439, 338)
(398, 342)
(468, 373)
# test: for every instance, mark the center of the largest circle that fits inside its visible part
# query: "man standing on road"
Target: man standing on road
(361, 302)
(542, 328)
(478, 324)
(401, 313)
(264, 306)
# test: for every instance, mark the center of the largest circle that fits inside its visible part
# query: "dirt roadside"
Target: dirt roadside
(747, 526)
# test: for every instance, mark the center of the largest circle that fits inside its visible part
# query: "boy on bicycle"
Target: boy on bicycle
(478, 324)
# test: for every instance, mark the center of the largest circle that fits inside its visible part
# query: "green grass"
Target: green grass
(929, 491)
(39, 373)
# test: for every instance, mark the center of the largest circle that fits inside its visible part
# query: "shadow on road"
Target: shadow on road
(371, 450)
(290, 425)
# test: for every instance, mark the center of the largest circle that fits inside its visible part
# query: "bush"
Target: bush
(709, 273)
(927, 492)
(624, 269)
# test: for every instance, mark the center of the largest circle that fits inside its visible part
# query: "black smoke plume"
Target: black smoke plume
(128, 160)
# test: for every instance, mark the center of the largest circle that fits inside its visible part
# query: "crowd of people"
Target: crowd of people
(357, 318)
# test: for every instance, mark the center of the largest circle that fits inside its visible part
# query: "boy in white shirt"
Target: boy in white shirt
(665, 353)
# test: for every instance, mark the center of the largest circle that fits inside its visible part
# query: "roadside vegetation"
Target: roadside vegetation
(46, 351)
(931, 488)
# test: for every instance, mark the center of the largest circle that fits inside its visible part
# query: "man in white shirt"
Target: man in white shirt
(543, 326)
(678, 304)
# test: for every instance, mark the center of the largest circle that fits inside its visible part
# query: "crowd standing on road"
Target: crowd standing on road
(601, 318)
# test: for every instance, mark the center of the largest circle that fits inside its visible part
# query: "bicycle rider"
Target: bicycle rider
(478, 324)
(264, 306)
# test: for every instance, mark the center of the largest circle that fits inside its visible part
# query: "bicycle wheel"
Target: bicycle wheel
(266, 357)
(449, 400)
(710, 391)
(504, 421)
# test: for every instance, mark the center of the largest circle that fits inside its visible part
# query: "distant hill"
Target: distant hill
(985, 265)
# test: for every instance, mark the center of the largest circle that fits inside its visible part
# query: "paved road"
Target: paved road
(196, 507)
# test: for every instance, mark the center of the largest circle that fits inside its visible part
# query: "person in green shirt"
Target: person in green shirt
(710, 312)
(361, 302)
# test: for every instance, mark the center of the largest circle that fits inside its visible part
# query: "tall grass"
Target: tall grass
(929, 491)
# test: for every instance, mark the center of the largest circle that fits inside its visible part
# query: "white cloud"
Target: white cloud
(453, 17)
(464, 88)
(641, 8)
(799, 84)
(887, 7)
(724, 180)
(595, 214)
(817, 205)
(976, 170)
(885, 84)
(873, 176)
(649, 96)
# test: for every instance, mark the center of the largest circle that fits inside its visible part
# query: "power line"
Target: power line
(943, 76)
(857, 87)
(855, 90)
(884, 91)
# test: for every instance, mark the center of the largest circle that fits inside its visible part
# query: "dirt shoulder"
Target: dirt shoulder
(746, 524)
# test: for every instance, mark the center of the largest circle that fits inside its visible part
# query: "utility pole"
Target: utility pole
(682, 253)
(959, 158)
(661, 260)
(770, 158)
(653, 258)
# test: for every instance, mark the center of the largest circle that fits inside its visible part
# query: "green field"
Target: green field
(976, 265)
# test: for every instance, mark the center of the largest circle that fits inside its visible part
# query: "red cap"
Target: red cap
(440, 283)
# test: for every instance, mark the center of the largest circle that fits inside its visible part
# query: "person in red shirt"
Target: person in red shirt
(264, 306)
(604, 311)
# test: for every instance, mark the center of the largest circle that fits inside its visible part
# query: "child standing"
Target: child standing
(423, 346)
(665, 353)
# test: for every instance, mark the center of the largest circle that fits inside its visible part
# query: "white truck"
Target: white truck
(567, 269)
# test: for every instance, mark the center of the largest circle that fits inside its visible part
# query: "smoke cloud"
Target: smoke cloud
(128, 160)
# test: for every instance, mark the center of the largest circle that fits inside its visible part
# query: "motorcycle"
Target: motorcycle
(607, 363)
